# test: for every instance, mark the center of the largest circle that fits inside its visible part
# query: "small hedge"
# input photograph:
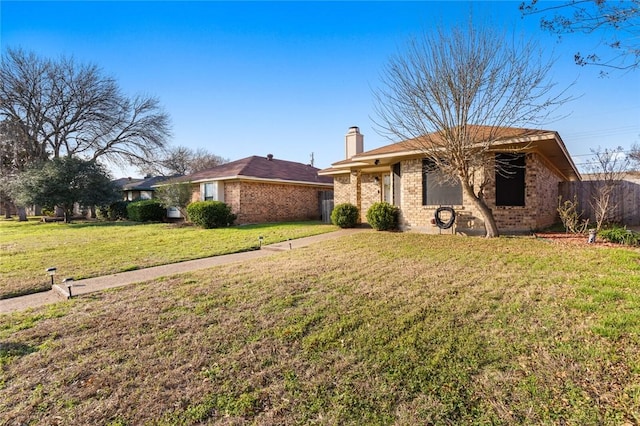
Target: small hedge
(621, 235)
(382, 216)
(114, 211)
(345, 215)
(210, 214)
(145, 211)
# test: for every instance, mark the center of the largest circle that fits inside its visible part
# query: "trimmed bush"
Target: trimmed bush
(345, 215)
(114, 211)
(210, 214)
(145, 211)
(383, 216)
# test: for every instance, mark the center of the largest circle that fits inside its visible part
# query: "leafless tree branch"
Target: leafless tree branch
(453, 90)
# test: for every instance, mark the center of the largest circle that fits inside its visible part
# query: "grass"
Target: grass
(374, 328)
(83, 250)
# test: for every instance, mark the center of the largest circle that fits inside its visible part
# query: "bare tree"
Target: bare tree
(607, 169)
(69, 109)
(617, 22)
(447, 81)
(182, 160)
(14, 159)
(634, 155)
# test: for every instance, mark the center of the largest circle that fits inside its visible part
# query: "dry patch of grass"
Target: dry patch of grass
(375, 328)
(83, 250)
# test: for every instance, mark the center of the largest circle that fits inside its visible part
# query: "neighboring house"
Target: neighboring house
(399, 174)
(263, 189)
(140, 189)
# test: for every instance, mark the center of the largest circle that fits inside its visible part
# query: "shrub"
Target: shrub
(114, 211)
(118, 210)
(571, 217)
(48, 212)
(145, 211)
(345, 215)
(210, 214)
(383, 216)
(621, 235)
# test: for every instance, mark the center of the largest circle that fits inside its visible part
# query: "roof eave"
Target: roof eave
(257, 179)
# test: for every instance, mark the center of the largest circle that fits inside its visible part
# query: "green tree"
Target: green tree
(63, 182)
(62, 108)
(176, 195)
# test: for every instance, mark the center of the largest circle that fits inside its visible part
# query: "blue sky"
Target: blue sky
(289, 78)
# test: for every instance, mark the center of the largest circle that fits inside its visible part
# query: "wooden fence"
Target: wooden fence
(624, 204)
(325, 204)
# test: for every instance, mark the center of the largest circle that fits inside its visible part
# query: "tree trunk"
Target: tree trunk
(491, 229)
(22, 214)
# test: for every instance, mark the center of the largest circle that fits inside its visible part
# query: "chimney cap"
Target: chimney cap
(269, 157)
(354, 129)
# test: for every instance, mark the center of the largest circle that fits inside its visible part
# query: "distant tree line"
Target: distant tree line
(57, 109)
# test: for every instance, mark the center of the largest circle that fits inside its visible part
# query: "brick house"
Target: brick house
(140, 189)
(401, 175)
(263, 189)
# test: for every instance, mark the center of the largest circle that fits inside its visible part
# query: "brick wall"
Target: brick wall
(232, 196)
(539, 210)
(371, 192)
(415, 216)
(541, 199)
(342, 190)
(259, 202)
(195, 192)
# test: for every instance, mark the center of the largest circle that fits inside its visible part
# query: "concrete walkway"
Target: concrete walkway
(60, 292)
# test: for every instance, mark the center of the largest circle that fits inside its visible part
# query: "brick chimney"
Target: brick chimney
(354, 142)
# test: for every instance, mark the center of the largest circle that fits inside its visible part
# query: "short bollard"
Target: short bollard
(69, 283)
(51, 272)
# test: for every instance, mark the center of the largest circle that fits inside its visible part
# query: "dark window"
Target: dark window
(510, 183)
(437, 188)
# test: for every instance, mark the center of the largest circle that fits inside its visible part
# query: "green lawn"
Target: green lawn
(372, 328)
(82, 250)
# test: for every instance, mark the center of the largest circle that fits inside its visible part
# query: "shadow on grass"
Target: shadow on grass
(13, 349)
(254, 226)
(124, 223)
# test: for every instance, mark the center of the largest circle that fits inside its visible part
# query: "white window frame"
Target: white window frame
(216, 188)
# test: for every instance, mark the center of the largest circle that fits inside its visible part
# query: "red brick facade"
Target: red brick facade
(260, 202)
